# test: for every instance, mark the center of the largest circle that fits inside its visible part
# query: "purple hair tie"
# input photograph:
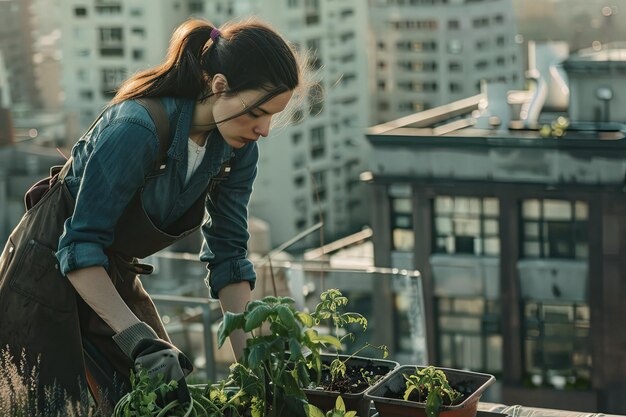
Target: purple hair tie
(215, 33)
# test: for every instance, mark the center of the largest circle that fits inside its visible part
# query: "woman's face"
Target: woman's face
(254, 124)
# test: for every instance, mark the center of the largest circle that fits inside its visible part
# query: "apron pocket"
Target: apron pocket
(36, 276)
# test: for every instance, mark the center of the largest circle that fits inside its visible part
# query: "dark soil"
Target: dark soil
(466, 388)
(354, 381)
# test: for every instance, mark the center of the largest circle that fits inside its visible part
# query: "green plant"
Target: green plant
(273, 367)
(206, 400)
(430, 383)
(338, 411)
(331, 308)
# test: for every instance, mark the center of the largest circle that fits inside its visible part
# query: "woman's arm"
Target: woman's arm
(95, 287)
(234, 298)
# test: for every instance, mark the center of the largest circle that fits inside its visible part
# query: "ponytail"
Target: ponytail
(181, 74)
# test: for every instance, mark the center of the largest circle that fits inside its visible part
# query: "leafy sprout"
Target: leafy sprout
(432, 384)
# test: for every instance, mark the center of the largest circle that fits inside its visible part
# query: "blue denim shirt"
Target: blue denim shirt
(111, 163)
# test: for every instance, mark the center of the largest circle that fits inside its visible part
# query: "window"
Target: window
(196, 7)
(557, 344)
(481, 65)
(456, 87)
(480, 22)
(401, 204)
(382, 85)
(554, 229)
(501, 40)
(296, 138)
(466, 225)
(111, 78)
(298, 181)
(469, 334)
(86, 95)
(318, 142)
(455, 66)
(316, 99)
(80, 11)
(498, 19)
(111, 42)
(319, 189)
(482, 44)
(292, 3)
(140, 32)
(500, 61)
(297, 117)
(138, 54)
(314, 46)
(453, 24)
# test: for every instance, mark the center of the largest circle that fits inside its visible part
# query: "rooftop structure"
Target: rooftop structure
(514, 216)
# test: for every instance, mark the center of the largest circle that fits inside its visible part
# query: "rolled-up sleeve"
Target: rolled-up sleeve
(225, 232)
(123, 154)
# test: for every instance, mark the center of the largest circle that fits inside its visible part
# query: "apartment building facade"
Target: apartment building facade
(432, 52)
(105, 41)
(16, 44)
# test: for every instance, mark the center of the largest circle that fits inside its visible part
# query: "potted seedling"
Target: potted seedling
(429, 391)
(344, 375)
(273, 368)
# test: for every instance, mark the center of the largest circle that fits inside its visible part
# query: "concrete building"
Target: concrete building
(5, 86)
(16, 44)
(320, 155)
(433, 52)
(104, 41)
(597, 77)
(518, 232)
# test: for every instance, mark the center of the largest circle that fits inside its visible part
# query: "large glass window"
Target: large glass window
(469, 334)
(466, 225)
(111, 41)
(402, 234)
(554, 229)
(557, 348)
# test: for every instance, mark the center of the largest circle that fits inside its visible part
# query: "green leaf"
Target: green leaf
(305, 318)
(339, 404)
(286, 300)
(258, 353)
(351, 414)
(433, 403)
(291, 386)
(256, 317)
(231, 322)
(254, 304)
(313, 411)
(270, 299)
(295, 350)
(286, 316)
(327, 339)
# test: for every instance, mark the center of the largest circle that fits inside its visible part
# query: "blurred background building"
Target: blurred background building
(515, 224)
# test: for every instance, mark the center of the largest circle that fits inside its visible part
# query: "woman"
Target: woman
(69, 292)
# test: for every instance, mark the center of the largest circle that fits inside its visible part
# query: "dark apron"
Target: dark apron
(41, 313)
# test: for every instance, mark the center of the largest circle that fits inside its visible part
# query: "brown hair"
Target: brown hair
(250, 54)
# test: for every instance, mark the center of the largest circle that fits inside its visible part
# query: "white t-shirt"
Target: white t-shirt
(195, 153)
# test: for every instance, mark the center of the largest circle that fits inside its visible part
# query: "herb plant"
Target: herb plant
(432, 384)
(331, 307)
(273, 367)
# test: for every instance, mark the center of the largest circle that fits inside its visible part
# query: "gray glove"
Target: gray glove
(140, 343)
